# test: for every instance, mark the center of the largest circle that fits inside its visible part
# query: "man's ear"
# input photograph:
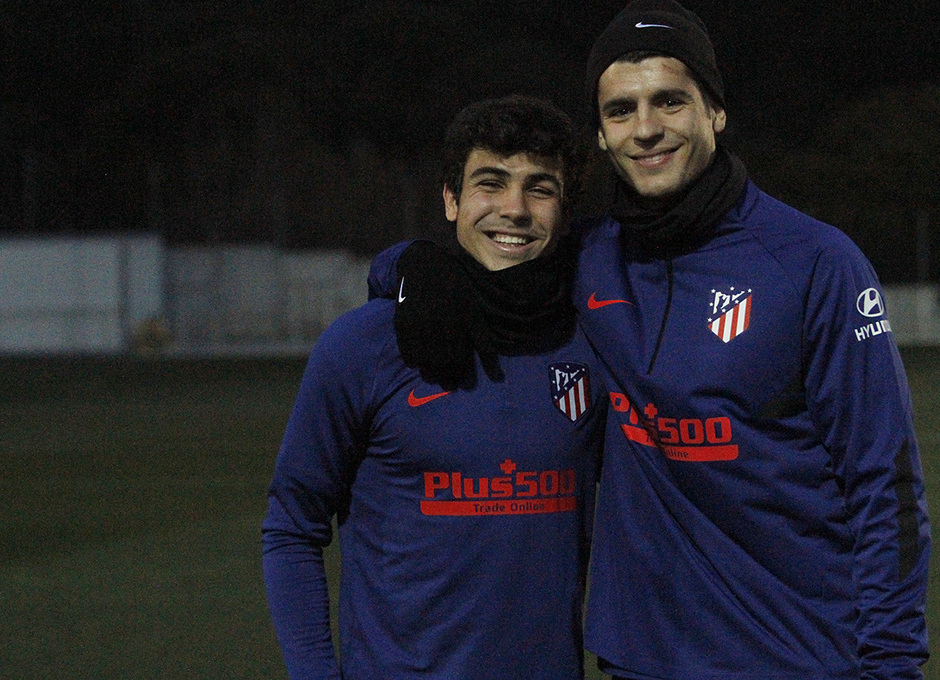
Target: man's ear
(601, 142)
(720, 120)
(450, 204)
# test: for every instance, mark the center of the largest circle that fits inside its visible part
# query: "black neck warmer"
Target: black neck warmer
(525, 308)
(687, 223)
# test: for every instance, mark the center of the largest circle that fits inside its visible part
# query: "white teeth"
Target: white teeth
(510, 240)
(652, 159)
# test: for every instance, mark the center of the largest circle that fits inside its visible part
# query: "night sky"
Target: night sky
(188, 117)
(786, 64)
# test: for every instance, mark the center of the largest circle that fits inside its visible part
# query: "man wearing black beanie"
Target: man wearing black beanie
(761, 511)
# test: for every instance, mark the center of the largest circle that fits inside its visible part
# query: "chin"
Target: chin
(657, 189)
(659, 192)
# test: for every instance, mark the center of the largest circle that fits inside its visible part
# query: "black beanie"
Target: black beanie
(659, 26)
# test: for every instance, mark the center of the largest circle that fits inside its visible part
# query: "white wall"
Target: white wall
(76, 294)
(94, 295)
(914, 312)
(258, 299)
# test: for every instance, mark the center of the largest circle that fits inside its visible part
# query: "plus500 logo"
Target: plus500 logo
(687, 439)
(522, 492)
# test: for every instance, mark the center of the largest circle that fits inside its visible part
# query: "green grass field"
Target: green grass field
(132, 496)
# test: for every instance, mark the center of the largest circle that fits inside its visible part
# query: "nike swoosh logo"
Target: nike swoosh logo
(401, 288)
(414, 401)
(640, 24)
(597, 304)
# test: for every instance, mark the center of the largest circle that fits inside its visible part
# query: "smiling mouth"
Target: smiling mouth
(654, 160)
(510, 239)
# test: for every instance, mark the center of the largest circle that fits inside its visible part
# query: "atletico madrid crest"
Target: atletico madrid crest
(730, 313)
(571, 389)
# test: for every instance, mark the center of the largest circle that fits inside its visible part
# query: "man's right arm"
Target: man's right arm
(320, 451)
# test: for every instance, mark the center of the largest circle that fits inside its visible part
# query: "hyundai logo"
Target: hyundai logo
(869, 303)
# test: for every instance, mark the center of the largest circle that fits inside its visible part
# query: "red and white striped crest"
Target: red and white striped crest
(571, 389)
(733, 322)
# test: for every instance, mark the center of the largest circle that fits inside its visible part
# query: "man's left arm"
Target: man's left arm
(860, 401)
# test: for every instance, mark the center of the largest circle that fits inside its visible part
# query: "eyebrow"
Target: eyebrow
(617, 103)
(534, 178)
(488, 170)
(659, 95)
(673, 93)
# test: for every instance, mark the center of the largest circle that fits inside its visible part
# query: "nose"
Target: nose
(514, 206)
(649, 127)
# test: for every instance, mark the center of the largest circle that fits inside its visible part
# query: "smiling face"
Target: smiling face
(656, 126)
(509, 209)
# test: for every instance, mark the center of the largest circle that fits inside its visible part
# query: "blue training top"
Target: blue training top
(464, 517)
(761, 511)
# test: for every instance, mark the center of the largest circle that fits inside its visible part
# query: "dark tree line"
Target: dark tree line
(873, 170)
(317, 124)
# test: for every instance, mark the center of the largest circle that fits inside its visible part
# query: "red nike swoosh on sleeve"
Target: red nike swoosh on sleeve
(597, 304)
(414, 401)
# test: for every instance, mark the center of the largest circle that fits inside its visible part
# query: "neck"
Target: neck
(671, 225)
(656, 204)
(526, 307)
(665, 202)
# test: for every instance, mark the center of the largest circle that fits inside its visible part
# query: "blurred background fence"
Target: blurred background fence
(131, 294)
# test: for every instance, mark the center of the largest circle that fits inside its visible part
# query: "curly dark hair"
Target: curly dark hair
(511, 125)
